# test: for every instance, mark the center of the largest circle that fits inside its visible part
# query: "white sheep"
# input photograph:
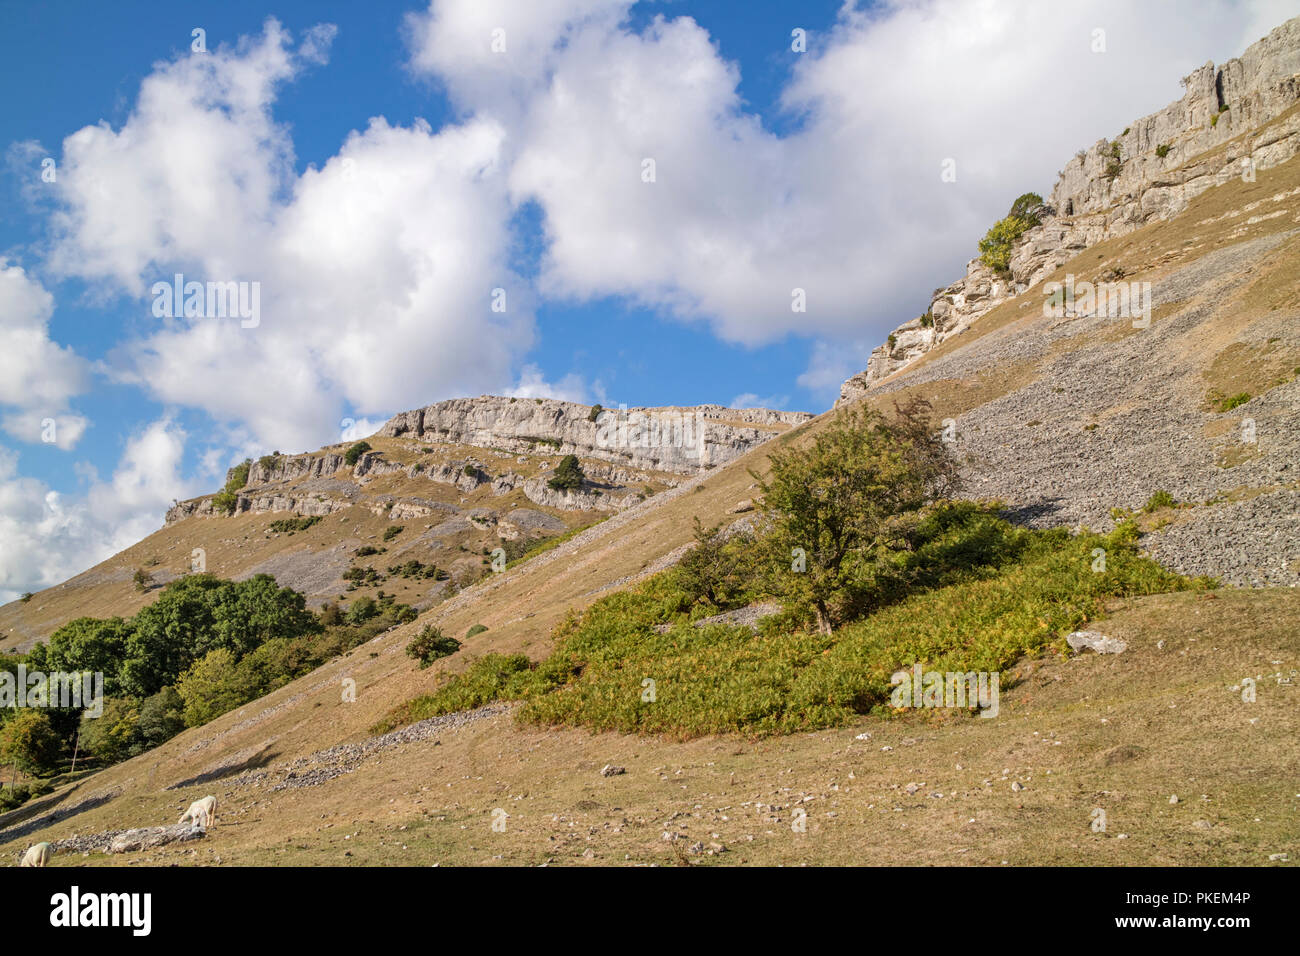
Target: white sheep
(201, 812)
(38, 855)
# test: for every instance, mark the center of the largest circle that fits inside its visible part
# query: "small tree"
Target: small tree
(711, 571)
(568, 475)
(143, 580)
(354, 453)
(431, 644)
(840, 508)
(30, 742)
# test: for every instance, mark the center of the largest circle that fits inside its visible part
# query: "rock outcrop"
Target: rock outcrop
(1233, 120)
(678, 440)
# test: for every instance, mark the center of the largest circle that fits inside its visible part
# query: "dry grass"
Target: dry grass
(1118, 733)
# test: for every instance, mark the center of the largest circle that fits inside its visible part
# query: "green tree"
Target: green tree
(225, 500)
(212, 686)
(162, 717)
(354, 452)
(713, 571)
(30, 741)
(1028, 207)
(199, 613)
(840, 508)
(112, 734)
(431, 644)
(89, 644)
(568, 474)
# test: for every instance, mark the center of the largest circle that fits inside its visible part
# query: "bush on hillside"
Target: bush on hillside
(839, 508)
(568, 475)
(430, 645)
(354, 453)
(976, 595)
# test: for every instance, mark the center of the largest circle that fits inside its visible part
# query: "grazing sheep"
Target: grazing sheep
(201, 812)
(38, 855)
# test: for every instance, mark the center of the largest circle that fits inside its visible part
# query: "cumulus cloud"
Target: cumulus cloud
(381, 277)
(50, 536)
(532, 384)
(850, 209)
(38, 377)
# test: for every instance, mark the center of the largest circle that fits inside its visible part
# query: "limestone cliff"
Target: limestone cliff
(1232, 120)
(680, 440)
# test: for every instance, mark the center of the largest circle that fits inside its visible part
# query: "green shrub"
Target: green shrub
(361, 610)
(1163, 150)
(366, 550)
(212, 686)
(1228, 404)
(238, 476)
(354, 453)
(717, 572)
(999, 243)
(1028, 208)
(392, 531)
(475, 629)
(142, 580)
(294, 524)
(1114, 162)
(430, 645)
(161, 718)
(1159, 499)
(979, 594)
(225, 500)
(568, 475)
(594, 414)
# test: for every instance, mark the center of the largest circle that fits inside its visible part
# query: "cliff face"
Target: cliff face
(679, 440)
(1231, 121)
(623, 451)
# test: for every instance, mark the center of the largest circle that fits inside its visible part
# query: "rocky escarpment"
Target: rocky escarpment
(1233, 120)
(622, 450)
(680, 440)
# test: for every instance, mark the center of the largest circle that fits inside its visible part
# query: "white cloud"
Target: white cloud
(532, 384)
(498, 51)
(49, 536)
(37, 376)
(751, 400)
(376, 272)
(849, 208)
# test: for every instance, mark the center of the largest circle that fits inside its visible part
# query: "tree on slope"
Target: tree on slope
(842, 506)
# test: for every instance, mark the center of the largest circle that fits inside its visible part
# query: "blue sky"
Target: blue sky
(378, 170)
